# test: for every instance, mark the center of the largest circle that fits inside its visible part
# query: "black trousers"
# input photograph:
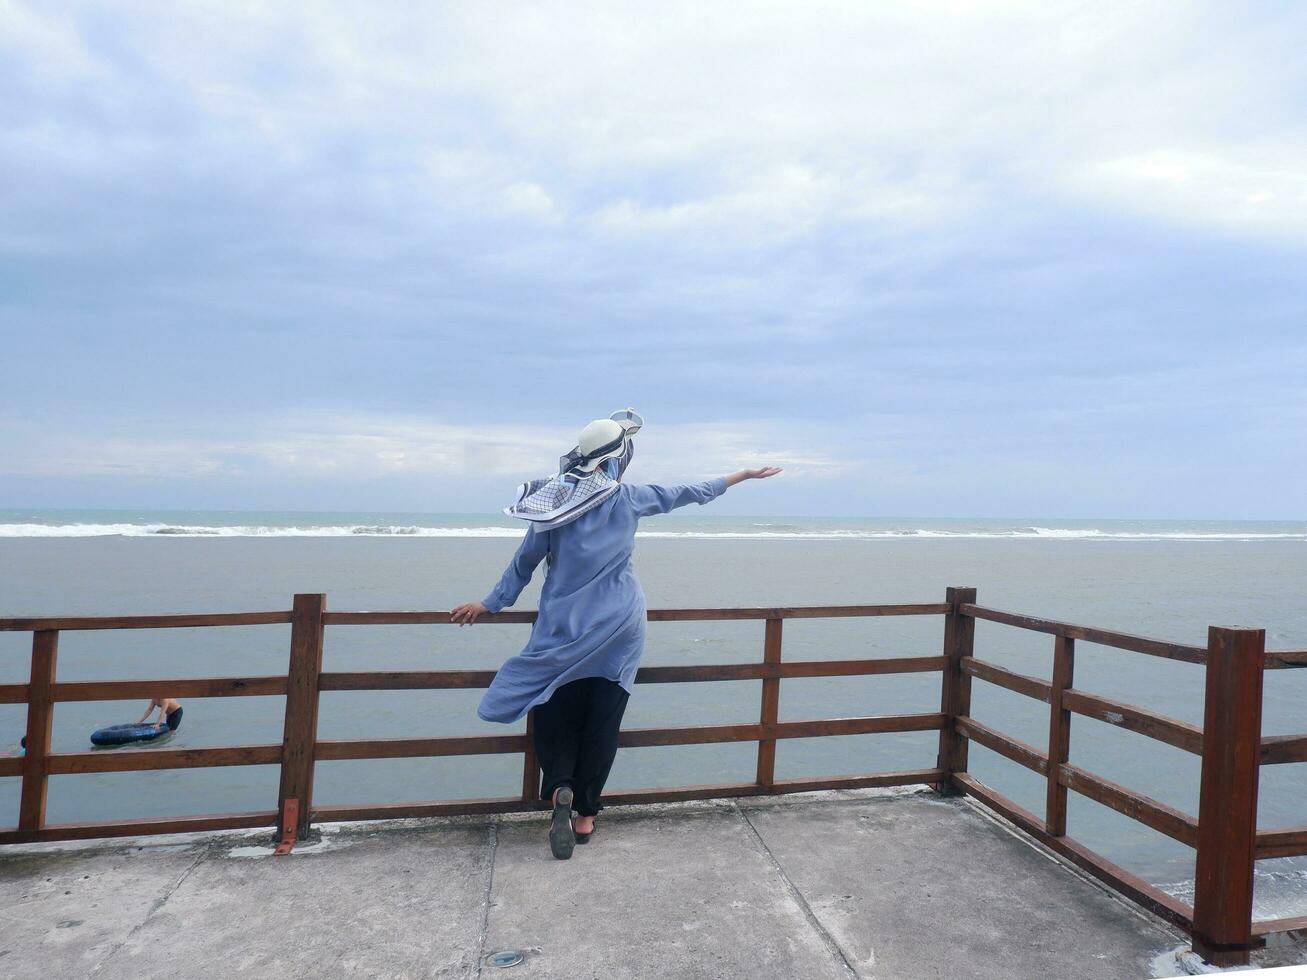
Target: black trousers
(576, 739)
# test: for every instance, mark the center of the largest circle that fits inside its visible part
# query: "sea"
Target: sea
(1167, 579)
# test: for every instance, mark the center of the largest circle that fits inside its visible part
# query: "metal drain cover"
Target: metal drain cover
(505, 957)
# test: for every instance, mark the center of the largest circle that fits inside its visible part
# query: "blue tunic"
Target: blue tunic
(592, 611)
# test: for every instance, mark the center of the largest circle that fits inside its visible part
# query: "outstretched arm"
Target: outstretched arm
(533, 548)
(652, 499)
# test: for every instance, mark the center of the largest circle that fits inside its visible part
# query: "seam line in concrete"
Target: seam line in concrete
(493, 829)
(154, 907)
(827, 939)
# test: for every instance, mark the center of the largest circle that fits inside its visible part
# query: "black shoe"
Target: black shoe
(561, 836)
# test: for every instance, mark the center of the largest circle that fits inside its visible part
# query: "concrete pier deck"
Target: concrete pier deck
(833, 885)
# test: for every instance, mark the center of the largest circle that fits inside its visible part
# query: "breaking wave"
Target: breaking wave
(755, 530)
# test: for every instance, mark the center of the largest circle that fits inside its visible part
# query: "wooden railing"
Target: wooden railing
(1224, 833)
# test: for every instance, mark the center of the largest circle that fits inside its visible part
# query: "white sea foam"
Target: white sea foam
(762, 531)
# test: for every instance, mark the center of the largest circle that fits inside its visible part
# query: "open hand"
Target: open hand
(761, 473)
(466, 613)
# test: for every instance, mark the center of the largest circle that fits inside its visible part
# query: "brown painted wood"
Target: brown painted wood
(1227, 808)
(13, 693)
(436, 618)
(1285, 659)
(414, 748)
(138, 760)
(909, 777)
(404, 680)
(1031, 687)
(40, 720)
(771, 704)
(144, 622)
(955, 684)
(1268, 927)
(1005, 745)
(1279, 749)
(875, 665)
(1135, 719)
(419, 680)
(530, 764)
(1282, 842)
(301, 725)
(1118, 879)
(141, 828)
(1111, 638)
(699, 735)
(793, 668)
(1059, 734)
(333, 812)
(12, 766)
(181, 687)
(401, 748)
(655, 615)
(1148, 811)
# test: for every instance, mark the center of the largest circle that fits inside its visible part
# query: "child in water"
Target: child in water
(170, 713)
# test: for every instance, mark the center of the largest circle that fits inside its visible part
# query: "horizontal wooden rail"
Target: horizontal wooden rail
(334, 750)
(1284, 842)
(1279, 749)
(441, 617)
(184, 687)
(1268, 927)
(416, 680)
(144, 622)
(14, 693)
(139, 760)
(12, 766)
(1111, 638)
(515, 804)
(1139, 720)
(1031, 687)
(1014, 749)
(1285, 659)
(1151, 897)
(141, 828)
(408, 748)
(1147, 811)
(404, 680)
(792, 668)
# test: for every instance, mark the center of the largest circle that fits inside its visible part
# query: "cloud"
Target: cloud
(372, 447)
(1260, 196)
(323, 243)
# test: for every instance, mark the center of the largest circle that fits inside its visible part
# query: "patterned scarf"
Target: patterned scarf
(553, 501)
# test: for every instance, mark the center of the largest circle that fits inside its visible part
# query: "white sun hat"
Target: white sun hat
(601, 440)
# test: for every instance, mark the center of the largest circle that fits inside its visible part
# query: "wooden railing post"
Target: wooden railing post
(1227, 805)
(301, 730)
(1059, 734)
(40, 719)
(530, 765)
(955, 694)
(771, 703)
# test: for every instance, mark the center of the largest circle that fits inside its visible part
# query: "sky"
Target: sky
(938, 259)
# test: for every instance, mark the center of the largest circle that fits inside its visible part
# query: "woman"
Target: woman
(579, 666)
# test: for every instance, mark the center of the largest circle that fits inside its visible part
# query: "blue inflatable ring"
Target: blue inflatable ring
(123, 734)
